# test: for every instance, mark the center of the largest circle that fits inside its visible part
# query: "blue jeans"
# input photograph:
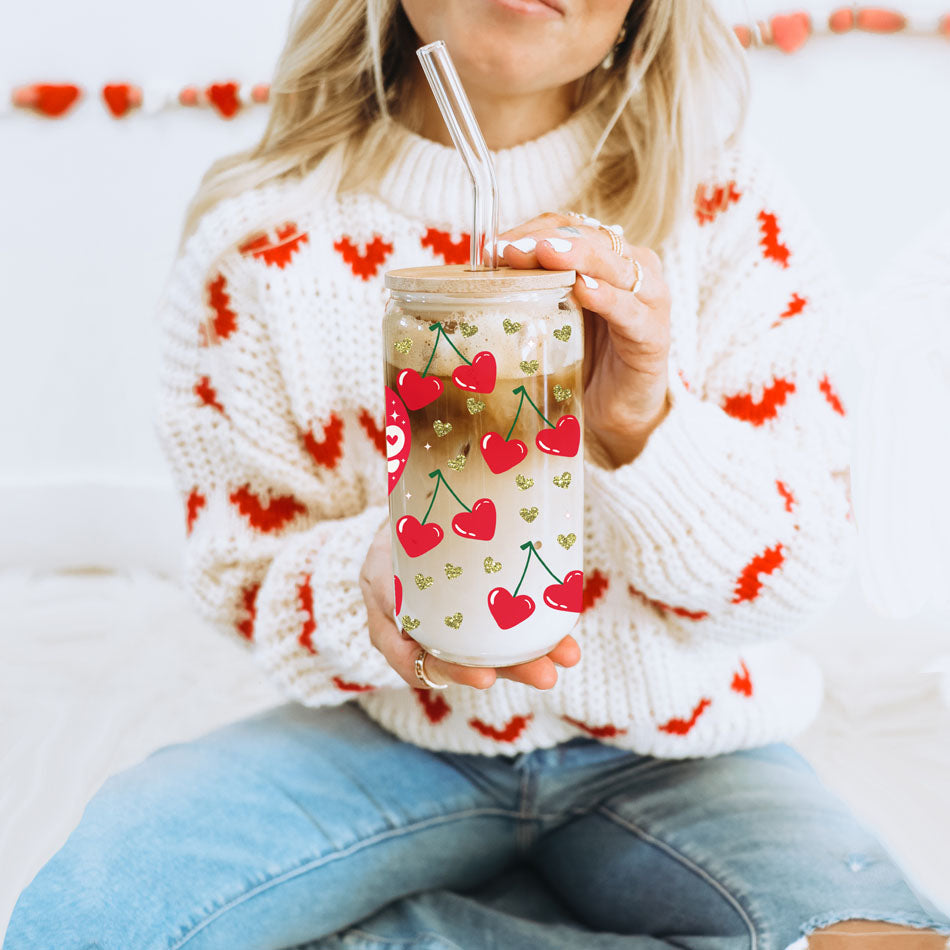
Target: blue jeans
(314, 828)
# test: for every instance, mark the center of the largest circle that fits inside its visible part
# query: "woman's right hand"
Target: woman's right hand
(400, 650)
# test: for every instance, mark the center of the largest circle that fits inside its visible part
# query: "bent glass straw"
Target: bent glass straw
(457, 112)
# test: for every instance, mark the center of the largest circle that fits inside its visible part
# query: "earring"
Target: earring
(608, 60)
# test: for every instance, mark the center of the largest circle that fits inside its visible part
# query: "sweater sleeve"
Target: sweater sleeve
(275, 541)
(734, 521)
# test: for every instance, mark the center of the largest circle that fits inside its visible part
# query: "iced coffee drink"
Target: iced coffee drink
(484, 433)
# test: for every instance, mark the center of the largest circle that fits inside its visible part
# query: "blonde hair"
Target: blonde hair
(675, 95)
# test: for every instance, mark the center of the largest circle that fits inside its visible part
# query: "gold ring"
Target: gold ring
(639, 278)
(615, 233)
(420, 667)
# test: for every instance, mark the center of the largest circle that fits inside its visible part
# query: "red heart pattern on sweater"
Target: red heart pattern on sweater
(245, 625)
(711, 200)
(269, 516)
(433, 705)
(224, 97)
(795, 306)
(452, 252)
(509, 732)
(376, 433)
(500, 455)
(595, 586)
(365, 264)
(757, 412)
(348, 687)
(564, 439)
(224, 320)
(196, 501)
(831, 396)
(477, 524)
(598, 732)
(749, 584)
(277, 251)
(417, 538)
(772, 248)
(568, 595)
(479, 377)
(207, 394)
(682, 727)
(790, 501)
(327, 451)
(742, 682)
(305, 605)
(508, 611)
(663, 608)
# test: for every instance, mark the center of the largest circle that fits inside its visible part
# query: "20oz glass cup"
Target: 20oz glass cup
(484, 434)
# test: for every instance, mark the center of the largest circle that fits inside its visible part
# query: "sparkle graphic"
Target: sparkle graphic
(427, 446)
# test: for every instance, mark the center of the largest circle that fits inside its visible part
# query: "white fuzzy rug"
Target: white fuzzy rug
(97, 670)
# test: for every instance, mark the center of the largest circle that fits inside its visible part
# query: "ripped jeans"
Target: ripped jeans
(315, 829)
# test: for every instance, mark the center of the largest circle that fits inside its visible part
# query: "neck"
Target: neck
(505, 121)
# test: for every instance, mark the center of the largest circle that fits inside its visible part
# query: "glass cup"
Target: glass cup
(485, 454)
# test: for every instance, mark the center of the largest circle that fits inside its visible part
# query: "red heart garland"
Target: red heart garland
(417, 538)
(418, 391)
(564, 439)
(500, 455)
(121, 97)
(224, 97)
(789, 33)
(567, 596)
(479, 524)
(52, 99)
(479, 377)
(509, 611)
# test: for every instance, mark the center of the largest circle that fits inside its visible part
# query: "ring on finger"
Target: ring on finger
(420, 667)
(638, 280)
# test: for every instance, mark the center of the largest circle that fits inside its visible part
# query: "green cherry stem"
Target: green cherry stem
(438, 333)
(445, 337)
(524, 393)
(527, 563)
(431, 503)
(518, 413)
(534, 551)
(442, 481)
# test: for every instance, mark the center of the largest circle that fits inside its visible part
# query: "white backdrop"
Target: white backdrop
(92, 209)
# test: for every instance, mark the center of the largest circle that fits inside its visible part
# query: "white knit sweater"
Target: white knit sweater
(703, 556)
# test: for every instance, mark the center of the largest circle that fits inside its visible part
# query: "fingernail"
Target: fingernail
(560, 245)
(500, 247)
(589, 282)
(525, 244)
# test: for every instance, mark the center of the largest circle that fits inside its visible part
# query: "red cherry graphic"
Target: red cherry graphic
(416, 391)
(509, 611)
(417, 538)
(564, 439)
(500, 455)
(567, 596)
(397, 588)
(479, 377)
(479, 524)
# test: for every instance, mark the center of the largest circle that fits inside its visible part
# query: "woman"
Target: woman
(631, 789)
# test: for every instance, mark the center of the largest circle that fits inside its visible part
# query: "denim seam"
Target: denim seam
(352, 849)
(690, 865)
(397, 942)
(819, 921)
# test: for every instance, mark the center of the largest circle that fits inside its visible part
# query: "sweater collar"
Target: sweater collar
(428, 181)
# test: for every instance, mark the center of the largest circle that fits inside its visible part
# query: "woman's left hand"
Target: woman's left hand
(627, 336)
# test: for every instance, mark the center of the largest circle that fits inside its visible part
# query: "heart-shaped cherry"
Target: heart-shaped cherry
(479, 523)
(479, 377)
(500, 455)
(417, 538)
(566, 596)
(563, 439)
(417, 391)
(509, 611)
(397, 590)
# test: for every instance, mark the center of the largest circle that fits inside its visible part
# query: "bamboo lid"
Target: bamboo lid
(458, 279)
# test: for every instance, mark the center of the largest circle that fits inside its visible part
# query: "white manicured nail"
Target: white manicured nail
(560, 245)
(500, 247)
(525, 244)
(589, 282)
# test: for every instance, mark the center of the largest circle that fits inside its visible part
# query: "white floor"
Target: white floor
(97, 670)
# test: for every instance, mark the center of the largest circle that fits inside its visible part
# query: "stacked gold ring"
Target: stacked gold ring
(420, 667)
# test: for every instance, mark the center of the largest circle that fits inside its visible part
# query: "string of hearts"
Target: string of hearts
(786, 31)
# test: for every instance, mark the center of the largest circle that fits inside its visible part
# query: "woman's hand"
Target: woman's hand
(627, 336)
(400, 650)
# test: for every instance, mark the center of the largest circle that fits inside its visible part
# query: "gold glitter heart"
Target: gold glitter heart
(475, 406)
(422, 582)
(523, 482)
(564, 333)
(563, 480)
(469, 329)
(566, 540)
(561, 394)
(455, 621)
(458, 463)
(451, 571)
(441, 428)
(408, 623)
(492, 566)
(529, 514)
(529, 366)
(403, 346)
(509, 326)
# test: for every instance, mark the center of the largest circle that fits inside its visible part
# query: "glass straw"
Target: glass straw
(468, 139)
